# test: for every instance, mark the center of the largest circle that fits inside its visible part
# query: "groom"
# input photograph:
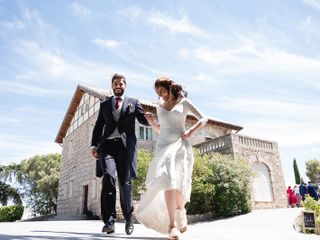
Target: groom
(115, 143)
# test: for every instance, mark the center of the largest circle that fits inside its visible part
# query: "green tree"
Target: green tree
(39, 179)
(8, 192)
(296, 172)
(313, 170)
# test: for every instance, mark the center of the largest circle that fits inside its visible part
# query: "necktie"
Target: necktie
(117, 102)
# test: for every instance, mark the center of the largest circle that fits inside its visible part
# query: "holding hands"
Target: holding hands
(149, 116)
(94, 153)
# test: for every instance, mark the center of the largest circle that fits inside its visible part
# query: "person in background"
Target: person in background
(297, 194)
(303, 189)
(312, 191)
(291, 197)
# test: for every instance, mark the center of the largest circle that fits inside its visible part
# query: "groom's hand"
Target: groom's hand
(149, 116)
(94, 152)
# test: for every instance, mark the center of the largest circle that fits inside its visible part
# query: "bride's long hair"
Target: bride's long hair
(175, 90)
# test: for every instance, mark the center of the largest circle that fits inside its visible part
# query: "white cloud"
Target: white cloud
(38, 28)
(181, 25)
(285, 132)
(36, 112)
(272, 107)
(204, 77)
(311, 26)
(107, 44)
(15, 24)
(9, 120)
(81, 10)
(42, 58)
(249, 59)
(313, 3)
(218, 56)
(160, 20)
(49, 61)
(24, 89)
(54, 67)
(132, 13)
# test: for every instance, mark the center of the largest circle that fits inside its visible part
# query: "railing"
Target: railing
(214, 144)
(229, 141)
(256, 143)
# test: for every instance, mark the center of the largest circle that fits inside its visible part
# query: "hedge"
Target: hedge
(11, 213)
(220, 184)
(232, 178)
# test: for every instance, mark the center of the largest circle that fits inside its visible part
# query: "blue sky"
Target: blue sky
(251, 63)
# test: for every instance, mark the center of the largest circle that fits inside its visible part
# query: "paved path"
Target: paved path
(257, 225)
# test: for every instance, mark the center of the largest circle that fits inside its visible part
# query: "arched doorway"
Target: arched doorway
(262, 188)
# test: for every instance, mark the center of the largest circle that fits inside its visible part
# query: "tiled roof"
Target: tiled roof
(102, 94)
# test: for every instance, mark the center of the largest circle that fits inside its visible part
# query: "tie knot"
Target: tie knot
(117, 102)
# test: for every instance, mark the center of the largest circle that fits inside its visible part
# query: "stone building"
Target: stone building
(79, 188)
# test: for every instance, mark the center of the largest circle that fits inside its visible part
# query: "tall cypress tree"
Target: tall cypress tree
(296, 171)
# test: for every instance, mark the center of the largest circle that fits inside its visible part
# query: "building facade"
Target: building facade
(79, 188)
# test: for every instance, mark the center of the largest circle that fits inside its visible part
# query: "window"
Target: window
(148, 134)
(145, 133)
(141, 130)
(70, 189)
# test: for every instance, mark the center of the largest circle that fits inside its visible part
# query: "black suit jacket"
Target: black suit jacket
(105, 126)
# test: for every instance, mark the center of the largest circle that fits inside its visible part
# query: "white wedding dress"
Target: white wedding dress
(171, 168)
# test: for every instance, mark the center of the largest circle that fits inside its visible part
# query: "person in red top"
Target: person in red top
(291, 197)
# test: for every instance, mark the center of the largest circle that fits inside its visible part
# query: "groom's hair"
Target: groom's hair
(118, 76)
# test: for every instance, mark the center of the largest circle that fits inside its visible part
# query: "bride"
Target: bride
(168, 181)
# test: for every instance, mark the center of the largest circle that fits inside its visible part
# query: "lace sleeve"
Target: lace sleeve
(193, 110)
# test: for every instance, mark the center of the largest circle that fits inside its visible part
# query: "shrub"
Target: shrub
(232, 178)
(220, 184)
(11, 213)
(202, 186)
(144, 158)
(310, 204)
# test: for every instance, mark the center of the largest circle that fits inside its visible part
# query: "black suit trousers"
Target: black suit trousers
(115, 164)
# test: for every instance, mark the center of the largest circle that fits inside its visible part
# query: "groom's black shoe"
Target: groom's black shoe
(129, 226)
(108, 228)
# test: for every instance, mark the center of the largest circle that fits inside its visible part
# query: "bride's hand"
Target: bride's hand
(186, 134)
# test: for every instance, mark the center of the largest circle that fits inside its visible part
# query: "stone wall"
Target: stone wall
(260, 151)
(77, 171)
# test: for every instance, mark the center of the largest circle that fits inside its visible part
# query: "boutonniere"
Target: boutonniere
(130, 106)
